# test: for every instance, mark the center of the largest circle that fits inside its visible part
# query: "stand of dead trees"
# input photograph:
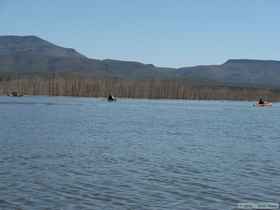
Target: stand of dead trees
(156, 89)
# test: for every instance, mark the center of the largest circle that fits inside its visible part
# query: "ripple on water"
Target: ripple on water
(79, 153)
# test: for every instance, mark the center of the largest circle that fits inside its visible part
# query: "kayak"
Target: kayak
(111, 99)
(264, 104)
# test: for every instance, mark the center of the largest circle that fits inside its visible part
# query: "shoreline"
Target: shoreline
(134, 89)
(127, 98)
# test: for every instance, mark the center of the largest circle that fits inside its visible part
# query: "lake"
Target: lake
(67, 153)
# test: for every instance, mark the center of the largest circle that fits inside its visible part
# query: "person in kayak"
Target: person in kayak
(111, 98)
(261, 101)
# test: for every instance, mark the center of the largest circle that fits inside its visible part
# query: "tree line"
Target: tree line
(153, 89)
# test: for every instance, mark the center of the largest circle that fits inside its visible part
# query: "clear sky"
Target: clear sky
(163, 32)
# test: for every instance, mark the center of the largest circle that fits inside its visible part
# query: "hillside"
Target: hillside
(33, 46)
(31, 54)
(24, 54)
(237, 72)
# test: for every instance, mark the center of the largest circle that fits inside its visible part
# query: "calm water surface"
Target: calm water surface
(81, 153)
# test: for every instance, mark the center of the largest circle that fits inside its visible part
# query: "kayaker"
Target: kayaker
(110, 98)
(261, 101)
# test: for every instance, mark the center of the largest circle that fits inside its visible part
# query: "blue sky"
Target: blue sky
(163, 32)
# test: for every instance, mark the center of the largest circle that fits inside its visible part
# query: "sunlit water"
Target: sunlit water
(83, 153)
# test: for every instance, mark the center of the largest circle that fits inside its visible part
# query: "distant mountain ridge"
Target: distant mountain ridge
(238, 72)
(32, 54)
(32, 45)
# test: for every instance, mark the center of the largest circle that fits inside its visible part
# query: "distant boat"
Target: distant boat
(14, 94)
(266, 103)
